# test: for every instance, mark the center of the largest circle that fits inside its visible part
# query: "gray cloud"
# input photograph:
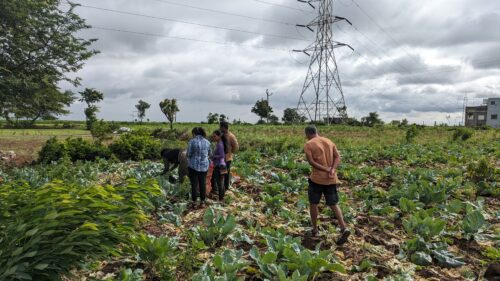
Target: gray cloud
(435, 51)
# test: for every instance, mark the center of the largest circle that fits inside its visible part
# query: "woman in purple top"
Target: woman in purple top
(220, 169)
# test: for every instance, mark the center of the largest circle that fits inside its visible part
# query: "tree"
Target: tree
(39, 50)
(371, 120)
(291, 116)
(212, 118)
(262, 109)
(142, 106)
(91, 97)
(169, 108)
(273, 119)
(404, 122)
(223, 118)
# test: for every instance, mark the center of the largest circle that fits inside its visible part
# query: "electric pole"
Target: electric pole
(268, 94)
(322, 98)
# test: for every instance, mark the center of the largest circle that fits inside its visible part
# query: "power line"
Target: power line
(223, 12)
(190, 23)
(187, 39)
(283, 6)
(380, 27)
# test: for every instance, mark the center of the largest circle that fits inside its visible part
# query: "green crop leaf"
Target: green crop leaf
(447, 259)
(472, 222)
(421, 258)
(269, 257)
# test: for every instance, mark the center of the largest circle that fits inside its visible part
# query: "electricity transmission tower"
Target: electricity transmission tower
(322, 98)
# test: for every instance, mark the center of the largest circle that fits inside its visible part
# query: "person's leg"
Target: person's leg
(194, 183)
(202, 181)
(338, 215)
(332, 200)
(313, 210)
(216, 184)
(314, 198)
(227, 177)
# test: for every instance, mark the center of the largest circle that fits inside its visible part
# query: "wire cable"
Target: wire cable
(283, 6)
(187, 38)
(190, 23)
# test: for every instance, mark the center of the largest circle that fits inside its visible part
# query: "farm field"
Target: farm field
(420, 208)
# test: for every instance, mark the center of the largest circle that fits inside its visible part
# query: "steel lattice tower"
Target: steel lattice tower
(322, 98)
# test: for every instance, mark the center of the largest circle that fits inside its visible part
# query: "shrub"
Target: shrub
(136, 147)
(48, 231)
(463, 134)
(411, 133)
(80, 149)
(52, 150)
(101, 130)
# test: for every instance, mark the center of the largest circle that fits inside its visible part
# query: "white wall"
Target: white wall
(492, 110)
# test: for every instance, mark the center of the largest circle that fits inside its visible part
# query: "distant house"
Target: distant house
(485, 114)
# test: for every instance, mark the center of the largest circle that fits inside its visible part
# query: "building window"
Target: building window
(470, 116)
(480, 117)
(493, 102)
(494, 116)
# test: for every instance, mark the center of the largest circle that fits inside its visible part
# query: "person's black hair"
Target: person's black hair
(199, 131)
(224, 139)
(311, 130)
(224, 124)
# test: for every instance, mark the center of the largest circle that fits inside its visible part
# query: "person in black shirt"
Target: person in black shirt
(173, 158)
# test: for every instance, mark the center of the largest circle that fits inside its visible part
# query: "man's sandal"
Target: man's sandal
(343, 237)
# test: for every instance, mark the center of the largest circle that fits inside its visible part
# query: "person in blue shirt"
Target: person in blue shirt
(198, 153)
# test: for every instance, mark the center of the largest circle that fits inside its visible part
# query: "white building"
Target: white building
(493, 112)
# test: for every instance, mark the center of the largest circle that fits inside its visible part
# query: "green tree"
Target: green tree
(371, 120)
(262, 109)
(91, 97)
(291, 116)
(212, 118)
(169, 108)
(142, 106)
(39, 50)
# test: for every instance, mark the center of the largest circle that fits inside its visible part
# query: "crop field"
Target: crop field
(422, 204)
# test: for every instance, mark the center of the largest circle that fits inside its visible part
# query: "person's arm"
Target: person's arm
(313, 163)
(189, 149)
(235, 146)
(336, 161)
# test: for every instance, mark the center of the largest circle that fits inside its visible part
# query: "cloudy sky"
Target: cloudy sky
(413, 59)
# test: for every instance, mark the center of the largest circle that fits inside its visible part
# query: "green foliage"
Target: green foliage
(135, 147)
(481, 171)
(158, 253)
(371, 120)
(75, 222)
(411, 133)
(472, 222)
(291, 116)
(170, 108)
(462, 134)
(262, 109)
(216, 228)
(101, 130)
(53, 150)
(126, 274)
(420, 223)
(227, 265)
(91, 97)
(141, 107)
(39, 50)
(421, 258)
(447, 259)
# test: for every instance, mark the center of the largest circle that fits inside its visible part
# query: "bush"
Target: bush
(463, 134)
(411, 133)
(136, 147)
(52, 150)
(80, 149)
(48, 231)
(101, 130)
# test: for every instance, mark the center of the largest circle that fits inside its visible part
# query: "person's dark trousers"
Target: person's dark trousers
(218, 181)
(198, 179)
(227, 177)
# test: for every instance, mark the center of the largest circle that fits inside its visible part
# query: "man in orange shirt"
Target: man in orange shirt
(323, 156)
(233, 147)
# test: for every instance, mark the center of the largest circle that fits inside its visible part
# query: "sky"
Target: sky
(413, 59)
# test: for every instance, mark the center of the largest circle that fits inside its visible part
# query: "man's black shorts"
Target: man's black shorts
(316, 191)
